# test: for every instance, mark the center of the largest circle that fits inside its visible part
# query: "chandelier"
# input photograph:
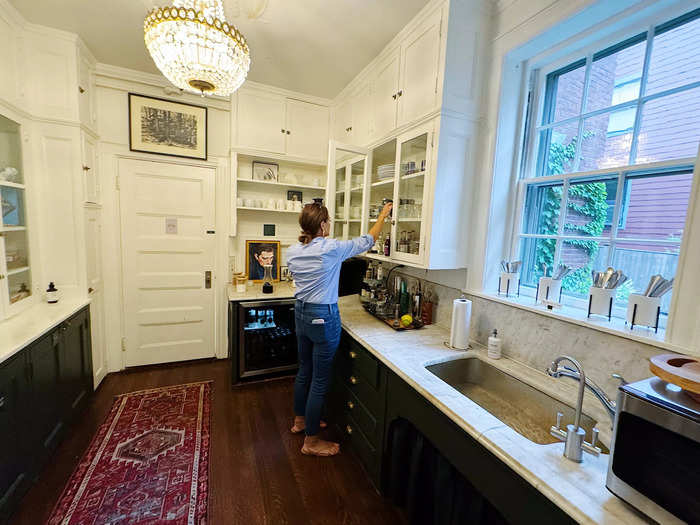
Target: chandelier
(195, 48)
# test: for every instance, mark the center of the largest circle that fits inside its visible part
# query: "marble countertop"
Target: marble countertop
(280, 290)
(578, 489)
(30, 324)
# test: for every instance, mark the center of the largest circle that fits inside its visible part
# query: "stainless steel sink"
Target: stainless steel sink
(523, 408)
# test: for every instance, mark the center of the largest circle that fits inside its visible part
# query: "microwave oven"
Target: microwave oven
(655, 451)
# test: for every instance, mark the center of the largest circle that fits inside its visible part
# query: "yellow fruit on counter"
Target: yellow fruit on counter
(406, 321)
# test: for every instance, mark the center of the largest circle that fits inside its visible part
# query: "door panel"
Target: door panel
(420, 59)
(385, 86)
(362, 115)
(48, 412)
(261, 119)
(342, 129)
(93, 236)
(307, 129)
(92, 183)
(166, 210)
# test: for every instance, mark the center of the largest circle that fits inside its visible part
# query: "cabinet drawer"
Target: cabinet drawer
(361, 445)
(367, 421)
(361, 363)
(365, 392)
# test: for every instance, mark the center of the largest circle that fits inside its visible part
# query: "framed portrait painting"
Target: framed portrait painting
(161, 126)
(259, 254)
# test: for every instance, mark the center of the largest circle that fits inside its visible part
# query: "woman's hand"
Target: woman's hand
(386, 211)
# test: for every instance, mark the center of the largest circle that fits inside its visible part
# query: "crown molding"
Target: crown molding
(251, 85)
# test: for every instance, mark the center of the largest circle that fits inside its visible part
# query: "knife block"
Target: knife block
(644, 311)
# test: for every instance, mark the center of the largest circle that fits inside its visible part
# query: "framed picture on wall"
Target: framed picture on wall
(265, 171)
(259, 254)
(293, 195)
(161, 126)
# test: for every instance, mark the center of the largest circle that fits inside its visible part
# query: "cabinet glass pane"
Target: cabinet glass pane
(357, 170)
(17, 261)
(409, 211)
(382, 185)
(340, 193)
(12, 206)
(10, 152)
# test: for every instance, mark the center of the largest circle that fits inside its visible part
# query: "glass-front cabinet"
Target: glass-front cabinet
(15, 271)
(348, 190)
(381, 190)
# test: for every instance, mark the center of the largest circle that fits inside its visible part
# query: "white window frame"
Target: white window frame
(530, 151)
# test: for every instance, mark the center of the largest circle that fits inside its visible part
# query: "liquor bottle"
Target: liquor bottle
(387, 245)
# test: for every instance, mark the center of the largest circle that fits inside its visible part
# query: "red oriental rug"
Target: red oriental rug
(148, 462)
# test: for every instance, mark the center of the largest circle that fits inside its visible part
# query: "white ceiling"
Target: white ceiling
(310, 46)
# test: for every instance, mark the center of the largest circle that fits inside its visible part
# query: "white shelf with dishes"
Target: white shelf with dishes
(16, 287)
(281, 184)
(269, 210)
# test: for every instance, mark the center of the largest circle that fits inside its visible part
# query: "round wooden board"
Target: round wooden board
(681, 370)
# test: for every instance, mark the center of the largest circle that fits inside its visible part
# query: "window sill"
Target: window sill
(568, 314)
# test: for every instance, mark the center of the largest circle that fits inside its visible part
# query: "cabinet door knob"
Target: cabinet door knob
(351, 405)
(400, 92)
(86, 168)
(289, 132)
(353, 354)
(348, 429)
(282, 131)
(394, 96)
(81, 90)
(353, 380)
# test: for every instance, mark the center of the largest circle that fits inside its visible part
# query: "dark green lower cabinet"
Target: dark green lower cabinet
(419, 457)
(43, 388)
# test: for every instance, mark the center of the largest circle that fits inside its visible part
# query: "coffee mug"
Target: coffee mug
(290, 205)
(281, 205)
(297, 205)
(249, 203)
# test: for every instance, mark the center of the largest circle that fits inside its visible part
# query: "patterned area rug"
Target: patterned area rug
(148, 462)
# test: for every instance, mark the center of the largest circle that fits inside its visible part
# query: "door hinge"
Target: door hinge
(116, 182)
(123, 344)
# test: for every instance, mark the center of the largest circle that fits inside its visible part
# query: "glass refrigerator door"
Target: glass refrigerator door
(15, 273)
(381, 188)
(269, 342)
(414, 167)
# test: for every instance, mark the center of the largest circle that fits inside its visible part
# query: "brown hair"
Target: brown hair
(310, 219)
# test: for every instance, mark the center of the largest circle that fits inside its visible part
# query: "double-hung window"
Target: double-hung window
(609, 162)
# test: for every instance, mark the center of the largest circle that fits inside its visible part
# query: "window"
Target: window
(612, 162)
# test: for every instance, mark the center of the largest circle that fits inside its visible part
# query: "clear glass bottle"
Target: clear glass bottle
(267, 279)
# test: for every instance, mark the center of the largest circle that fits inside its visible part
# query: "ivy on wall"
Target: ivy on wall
(586, 201)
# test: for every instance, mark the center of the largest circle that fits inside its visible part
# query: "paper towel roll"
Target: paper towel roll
(461, 319)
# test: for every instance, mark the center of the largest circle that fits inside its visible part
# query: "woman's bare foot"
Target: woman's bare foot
(300, 425)
(315, 446)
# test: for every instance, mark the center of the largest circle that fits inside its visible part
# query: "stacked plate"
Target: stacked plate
(385, 171)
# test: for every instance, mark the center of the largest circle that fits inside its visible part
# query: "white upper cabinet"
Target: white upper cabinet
(342, 126)
(362, 115)
(306, 129)
(274, 123)
(420, 59)
(87, 90)
(385, 92)
(91, 182)
(261, 121)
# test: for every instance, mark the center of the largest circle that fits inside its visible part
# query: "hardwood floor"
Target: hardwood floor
(258, 475)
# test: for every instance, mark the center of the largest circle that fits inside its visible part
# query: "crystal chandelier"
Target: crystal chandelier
(195, 48)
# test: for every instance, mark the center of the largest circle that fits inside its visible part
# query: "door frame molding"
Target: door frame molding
(115, 324)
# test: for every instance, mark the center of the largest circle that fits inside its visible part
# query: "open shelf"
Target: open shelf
(8, 184)
(270, 210)
(282, 184)
(13, 271)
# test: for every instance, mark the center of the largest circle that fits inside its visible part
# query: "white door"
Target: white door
(167, 226)
(342, 129)
(385, 88)
(420, 57)
(91, 180)
(362, 115)
(93, 243)
(261, 121)
(307, 130)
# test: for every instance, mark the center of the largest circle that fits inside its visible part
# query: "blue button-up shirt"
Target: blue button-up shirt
(316, 266)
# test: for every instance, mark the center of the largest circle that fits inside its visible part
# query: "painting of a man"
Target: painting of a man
(260, 254)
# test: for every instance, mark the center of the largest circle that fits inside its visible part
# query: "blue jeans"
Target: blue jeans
(318, 336)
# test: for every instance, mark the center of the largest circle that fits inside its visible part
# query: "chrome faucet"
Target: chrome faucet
(574, 436)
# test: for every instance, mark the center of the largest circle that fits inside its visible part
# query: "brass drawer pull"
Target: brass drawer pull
(351, 405)
(353, 380)
(348, 429)
(353, 355)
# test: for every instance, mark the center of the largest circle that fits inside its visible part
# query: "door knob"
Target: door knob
(353, 380)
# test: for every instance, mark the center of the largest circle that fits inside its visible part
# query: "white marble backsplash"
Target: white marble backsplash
(536, 340)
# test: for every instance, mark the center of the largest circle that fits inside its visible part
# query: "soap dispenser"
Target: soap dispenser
(51, 294)
(494, 351)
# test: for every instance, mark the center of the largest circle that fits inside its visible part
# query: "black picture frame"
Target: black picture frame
(201, 118)
(294, 193)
